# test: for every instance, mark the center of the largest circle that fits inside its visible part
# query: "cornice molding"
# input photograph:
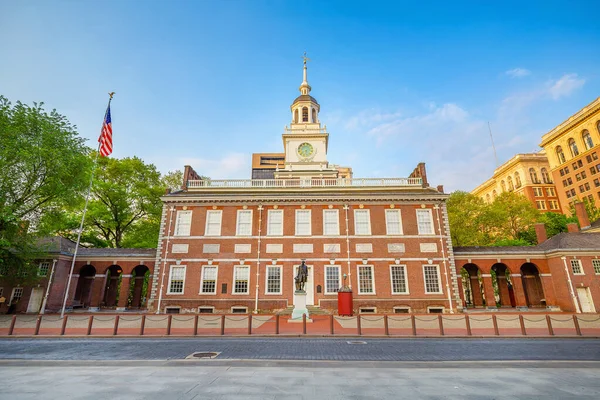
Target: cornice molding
(575, 119)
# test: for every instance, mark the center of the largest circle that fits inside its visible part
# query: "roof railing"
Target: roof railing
(304, 183)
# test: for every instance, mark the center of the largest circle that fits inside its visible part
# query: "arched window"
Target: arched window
(587, 140)
(573, 148)
(296, 116)
(598, 127)
(533, 175)
(560, 155)
(517, 179)
(494, 194)
(314, 115)
(305, 114)
(503, 186)
(545, 176)
(510, 184)
(487, 197)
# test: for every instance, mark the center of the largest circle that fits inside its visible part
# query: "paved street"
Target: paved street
(331, 381)
(299, 368)
(303, 349)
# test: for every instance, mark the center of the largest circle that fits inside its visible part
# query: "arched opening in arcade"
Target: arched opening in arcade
(472, 286)
(138, 287)
(83, 291)
(502, 284)
(114, 276)
(532, 286)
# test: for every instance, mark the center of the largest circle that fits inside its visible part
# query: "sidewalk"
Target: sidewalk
(396, 325)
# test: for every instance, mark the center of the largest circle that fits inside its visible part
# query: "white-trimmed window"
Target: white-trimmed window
(431, 276)
(275, 223)
(393, 222)
(425, 222)
(331, 223)
(213, 223)
(576, 267)
(595, 264)
(553, 204)
(176, 279)
(43, 268)
(208, 282)
(16, 295)
(540, 204)
(366, 279)
(244, 223)
(303, 226)
(362, 222)
(332, 279)
(206, 310)
(183, 223)
(241, 279)
(273, 277)
(537, 192)
(398, 278)
(239, 310)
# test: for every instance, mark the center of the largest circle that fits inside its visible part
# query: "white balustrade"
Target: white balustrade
(304, 183)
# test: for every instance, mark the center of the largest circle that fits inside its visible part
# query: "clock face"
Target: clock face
(305, 150)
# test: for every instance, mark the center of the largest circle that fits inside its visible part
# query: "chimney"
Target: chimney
(582, 216)
(540, 233)
(440, 188)
(572, 227)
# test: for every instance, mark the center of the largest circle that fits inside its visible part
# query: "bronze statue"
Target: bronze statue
(301, 277)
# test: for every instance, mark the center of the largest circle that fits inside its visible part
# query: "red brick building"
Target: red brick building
(234, 245)
(102, 278)
(561, 273)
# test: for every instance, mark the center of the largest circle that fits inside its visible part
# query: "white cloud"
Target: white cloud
(231, 166)
(564, 86)
(518, 72)
(553, 89)
(437, 120)
(366, 118)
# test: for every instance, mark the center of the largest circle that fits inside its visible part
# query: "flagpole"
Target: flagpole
(87, 198)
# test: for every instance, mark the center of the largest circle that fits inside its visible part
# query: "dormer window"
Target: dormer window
(305, 114)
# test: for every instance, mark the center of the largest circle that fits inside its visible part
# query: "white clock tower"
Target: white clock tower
(306, 140)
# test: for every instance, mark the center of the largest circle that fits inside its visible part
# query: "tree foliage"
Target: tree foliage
(43, 163)
(124, 208)
(508, 220)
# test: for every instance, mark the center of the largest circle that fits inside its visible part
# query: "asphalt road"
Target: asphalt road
(347, 349)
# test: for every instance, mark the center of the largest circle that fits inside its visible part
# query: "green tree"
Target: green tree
(43, 163)
(466, 214)
(172, 180)
(513, 217)
(556, 223)
(125, 206)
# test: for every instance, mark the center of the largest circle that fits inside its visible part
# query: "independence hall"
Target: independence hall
(234, 246)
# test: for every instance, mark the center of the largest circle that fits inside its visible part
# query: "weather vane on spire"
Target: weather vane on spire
(305, 58)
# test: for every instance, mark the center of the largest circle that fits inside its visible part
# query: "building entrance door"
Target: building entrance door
(35, 301)
(308, 287)
(585, 300)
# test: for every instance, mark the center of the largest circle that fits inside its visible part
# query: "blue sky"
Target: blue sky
(207, 83)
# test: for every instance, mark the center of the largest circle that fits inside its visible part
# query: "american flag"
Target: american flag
(105, 138)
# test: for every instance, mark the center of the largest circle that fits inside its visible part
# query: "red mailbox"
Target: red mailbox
(345, 303)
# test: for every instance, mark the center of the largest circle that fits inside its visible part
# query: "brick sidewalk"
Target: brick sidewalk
(411, 325)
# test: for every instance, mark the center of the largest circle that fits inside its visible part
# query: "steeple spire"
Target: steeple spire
(305, 87)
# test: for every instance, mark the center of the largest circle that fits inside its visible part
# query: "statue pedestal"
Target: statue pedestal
(299, 307)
